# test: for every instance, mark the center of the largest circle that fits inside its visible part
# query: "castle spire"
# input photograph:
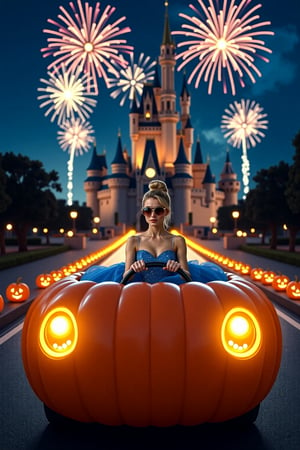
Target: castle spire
(167, 37)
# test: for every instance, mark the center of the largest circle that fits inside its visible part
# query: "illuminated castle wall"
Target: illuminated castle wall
(162, 142)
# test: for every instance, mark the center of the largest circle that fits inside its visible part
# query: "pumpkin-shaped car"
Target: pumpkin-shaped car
(151, 354)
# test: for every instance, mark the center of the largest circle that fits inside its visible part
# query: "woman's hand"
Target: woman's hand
(138, 266)
(172, 265)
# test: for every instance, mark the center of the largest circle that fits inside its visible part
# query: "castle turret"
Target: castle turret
(96, 170)
(182, 183)
(229, 183)
(198, 168)
(118, 183)
(209, 184)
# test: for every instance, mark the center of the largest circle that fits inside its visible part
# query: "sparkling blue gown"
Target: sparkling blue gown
(203, 272)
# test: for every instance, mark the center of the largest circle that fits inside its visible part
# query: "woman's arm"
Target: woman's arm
(130, 251)
(181, 250)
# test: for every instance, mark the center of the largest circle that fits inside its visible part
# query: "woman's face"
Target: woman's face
(154, 212)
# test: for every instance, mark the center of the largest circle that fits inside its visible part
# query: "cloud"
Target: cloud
(214, 136)
(283, 66)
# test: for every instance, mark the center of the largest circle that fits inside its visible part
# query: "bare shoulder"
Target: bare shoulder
(179, 241)
(132, 241)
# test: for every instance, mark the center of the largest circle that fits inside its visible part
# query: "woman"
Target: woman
(156, 244)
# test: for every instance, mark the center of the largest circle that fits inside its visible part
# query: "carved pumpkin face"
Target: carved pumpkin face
(156, 354)
(245, 269)
(293, 290)
(256, 273)
(17, 292)
(44, 280)
(267, 277)
(57, 274)
(280, 283)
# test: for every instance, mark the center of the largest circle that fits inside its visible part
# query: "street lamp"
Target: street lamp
(235, 216)
(74, 215)
(212, 222)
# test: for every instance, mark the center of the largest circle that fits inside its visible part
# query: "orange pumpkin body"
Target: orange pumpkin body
(267, 277)
(293, 290)
(280, 283)
(256, 273)
(2, 304)
(151, 354)
(17, 292)
(44, 280)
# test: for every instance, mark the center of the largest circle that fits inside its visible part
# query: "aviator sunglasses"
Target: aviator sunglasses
(158, 211)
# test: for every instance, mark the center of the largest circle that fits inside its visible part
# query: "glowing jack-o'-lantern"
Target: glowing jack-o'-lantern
(57, 274)
(267, 277)
(18, 291)
(44, 280)
(245, 269)
(280, 283)
(2, 304)
(166, 354)
(293, 290)
(256, 273)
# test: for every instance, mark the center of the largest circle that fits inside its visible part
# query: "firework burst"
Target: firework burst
(224, 42)
(65, 95)
(132, 79)
(87, 39)
(74, 137)
(242, 125)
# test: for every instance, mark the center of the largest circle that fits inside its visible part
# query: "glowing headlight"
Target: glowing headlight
(241, 334)
(58, 333)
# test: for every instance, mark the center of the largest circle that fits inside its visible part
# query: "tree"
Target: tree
(5, 200)
(30, 188)
(266, 203)
(292, 194)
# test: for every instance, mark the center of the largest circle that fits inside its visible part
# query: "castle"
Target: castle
(162, 140)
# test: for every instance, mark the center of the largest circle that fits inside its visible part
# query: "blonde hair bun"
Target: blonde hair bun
(158, 185)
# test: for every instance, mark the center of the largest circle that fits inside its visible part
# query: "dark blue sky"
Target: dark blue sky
(24, 128)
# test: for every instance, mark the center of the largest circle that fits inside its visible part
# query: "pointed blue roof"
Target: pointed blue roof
(148, 91)
(227, 169)
(198, 154)
(150, 150)
(134, 107)
(167, 38)
(208, 177)
(181, 157)
(98, 162)
(184, 89)
(119, 157)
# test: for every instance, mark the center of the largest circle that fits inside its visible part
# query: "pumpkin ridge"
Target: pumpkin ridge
(226, 364)
(184, 390)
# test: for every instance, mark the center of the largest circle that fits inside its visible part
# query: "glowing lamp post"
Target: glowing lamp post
(235, 216)
(74, 215)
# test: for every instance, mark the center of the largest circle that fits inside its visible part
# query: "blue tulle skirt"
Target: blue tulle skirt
(202, 272)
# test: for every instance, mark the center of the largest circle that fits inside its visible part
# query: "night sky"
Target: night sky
(24, 128)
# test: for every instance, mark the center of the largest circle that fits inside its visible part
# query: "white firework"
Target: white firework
(130, 83)
(65, 95)
(74, 137)
(242, 125)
